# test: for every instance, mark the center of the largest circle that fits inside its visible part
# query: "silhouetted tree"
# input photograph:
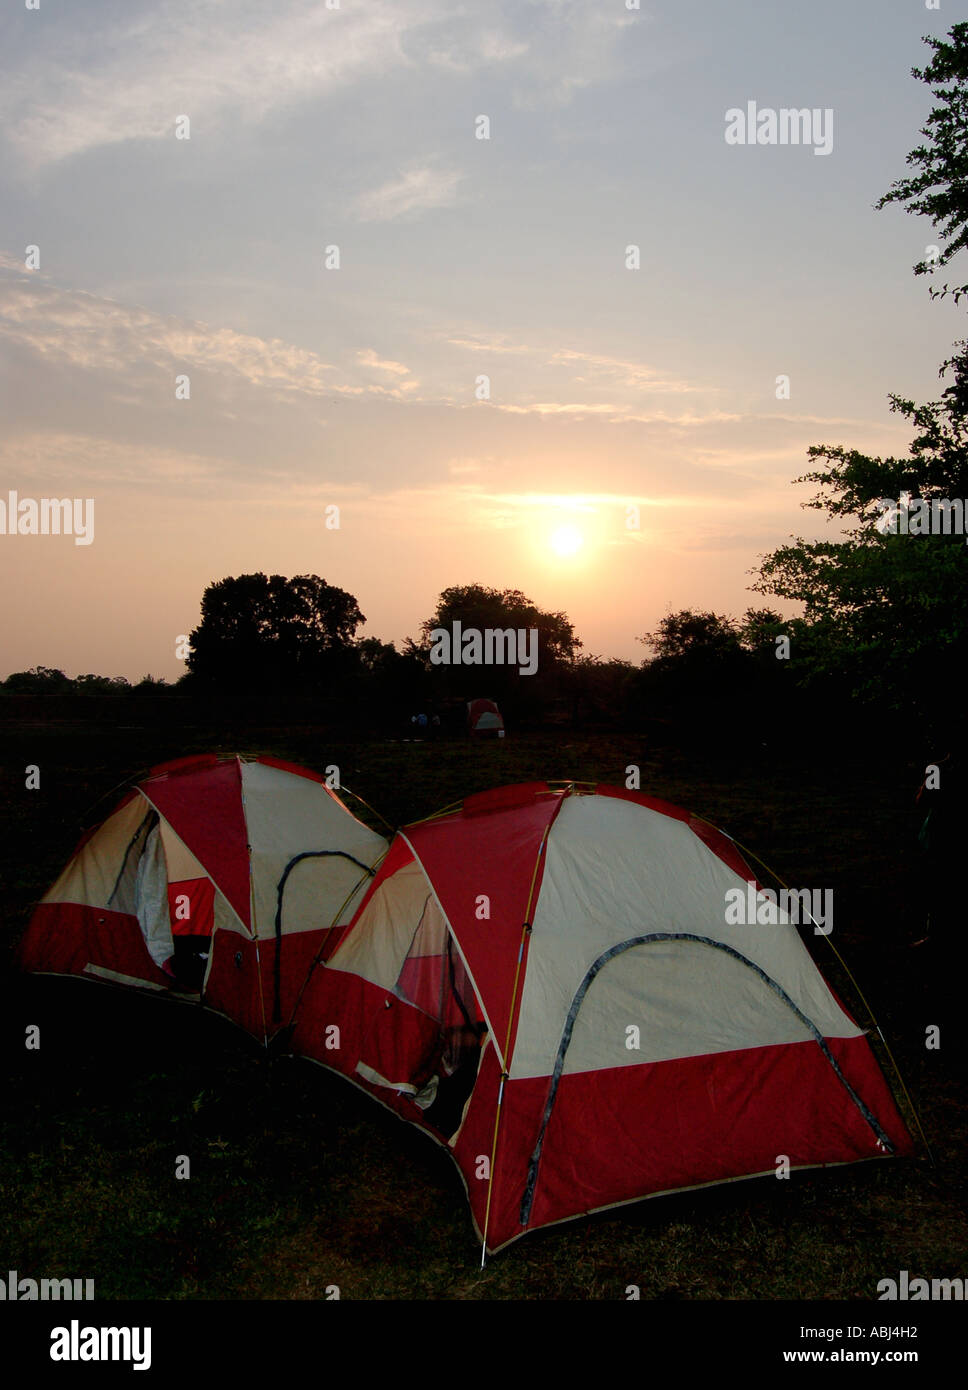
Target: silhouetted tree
(686, 633)
(395, 683)
(707, 675)
(481, 608)
(598, 688)
(39, 680)
(886, 613)
(940, 189)
(151, 685)
(100, 685)
(273, 633)
(474, 605)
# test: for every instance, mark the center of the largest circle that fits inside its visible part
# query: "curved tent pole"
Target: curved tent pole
(339, 912)
(280, 889)
(126, 782)
(576, 1004)
(372, 809)
(860, 993)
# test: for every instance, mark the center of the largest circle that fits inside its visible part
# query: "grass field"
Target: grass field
(299, 1182)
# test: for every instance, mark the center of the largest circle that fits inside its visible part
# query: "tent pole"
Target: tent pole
(860, 993)
(525, 933)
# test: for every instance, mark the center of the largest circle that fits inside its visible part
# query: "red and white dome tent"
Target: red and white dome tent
(545, 981)
(484, 718)
(215, 879)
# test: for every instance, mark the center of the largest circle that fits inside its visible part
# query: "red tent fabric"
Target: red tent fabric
(547, 982)
(214, 878)
(484, 717)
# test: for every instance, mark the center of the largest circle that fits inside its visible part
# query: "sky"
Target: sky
(484, 385)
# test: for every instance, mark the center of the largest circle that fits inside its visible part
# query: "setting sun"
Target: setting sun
(567, 540)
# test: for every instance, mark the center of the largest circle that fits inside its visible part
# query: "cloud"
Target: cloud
(103, 76)
(618, 412)
(368, 358)
(477, 345)
(97, 334)
(596, 371)
(99, 84)
(596, 367)
(575, 45)
(93, 333)
(418, 190)
(635, 374)
(59, 459)
(558, 408)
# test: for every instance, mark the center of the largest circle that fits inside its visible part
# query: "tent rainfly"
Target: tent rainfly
(214, 878)
(484, 719)
(548, 983)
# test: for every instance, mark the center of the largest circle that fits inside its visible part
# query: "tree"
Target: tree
(273, 633)
(376, 657)
(885, 608)
(697, 660)
(759, 630)
(100, 685)
(598, 688)
(39, 680)
(394, 682)
(885, 612)
(685, 633)
(475, 606)
(940, 189)
(152, 685)
(703, 679)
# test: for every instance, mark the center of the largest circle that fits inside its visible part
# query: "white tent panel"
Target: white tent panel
(615, 870)
(91, 875)
(288, 815)
(378, 945)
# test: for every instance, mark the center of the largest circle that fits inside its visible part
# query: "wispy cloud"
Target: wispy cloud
(127, 77)
(418, 190)
(368, 358)
(484, 345)
(635, 374)
(587, 369)
(99, 84)
(617, 412)
(101, 335)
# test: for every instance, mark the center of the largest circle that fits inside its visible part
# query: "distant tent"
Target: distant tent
(213, 878)
(484, 717)
(546, 982)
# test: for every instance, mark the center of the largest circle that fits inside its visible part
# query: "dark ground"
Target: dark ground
(300, 1182)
